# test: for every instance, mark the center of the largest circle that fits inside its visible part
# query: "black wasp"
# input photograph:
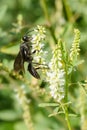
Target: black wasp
(25, 55)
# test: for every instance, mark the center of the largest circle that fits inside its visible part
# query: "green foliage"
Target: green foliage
(19, 108)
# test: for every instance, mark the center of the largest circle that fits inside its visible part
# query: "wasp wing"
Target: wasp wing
(33, 71)
(19, 63)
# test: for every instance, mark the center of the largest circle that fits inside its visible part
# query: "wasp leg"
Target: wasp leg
(46, 66)
(40, 67)
(35, 51)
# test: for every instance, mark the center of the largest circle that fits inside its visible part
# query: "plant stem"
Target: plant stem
(66, 84)
(68, 11)
(51, 29)
(66, 98)
(66, 115)
(67, 118)
(44, 7)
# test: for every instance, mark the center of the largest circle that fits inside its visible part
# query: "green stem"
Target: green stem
(68, 11)
(66, 98)
(65, 107)
(66, 116)
(52, 34)
(14, 75)
(44, 7)
(51, 29)
(67, 119)
(66, 84)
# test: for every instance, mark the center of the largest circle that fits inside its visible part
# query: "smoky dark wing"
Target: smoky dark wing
(33, 71)
(19, 63)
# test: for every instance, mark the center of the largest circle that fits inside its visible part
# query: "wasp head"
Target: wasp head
(25, 38)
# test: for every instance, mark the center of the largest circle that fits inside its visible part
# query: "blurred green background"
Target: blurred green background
(60, 17)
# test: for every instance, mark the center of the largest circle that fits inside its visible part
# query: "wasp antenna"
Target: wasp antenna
(29, 31)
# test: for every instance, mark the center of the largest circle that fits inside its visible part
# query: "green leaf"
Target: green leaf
(7, 126)
(56, 110)
(79, 62)
(3, 10)
(8, 115)
(73, 115)
(54, 114)
(48, 104)
(10, 50)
